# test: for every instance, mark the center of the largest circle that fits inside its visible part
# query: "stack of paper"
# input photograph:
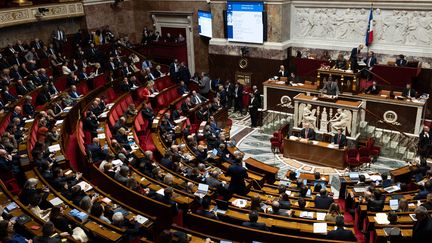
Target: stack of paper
(381, 218)
(320, 216)
(56, 201)
(320, 228)
(106, 200)
(141, 219)
(241, 203)
(305, 214)
(85, 186)
(54, 148)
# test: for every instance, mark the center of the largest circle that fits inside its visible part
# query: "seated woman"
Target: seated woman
(333, 212)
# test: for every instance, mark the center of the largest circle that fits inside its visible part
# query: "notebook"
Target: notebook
(394, 204)
(391, 189)
(202, 190)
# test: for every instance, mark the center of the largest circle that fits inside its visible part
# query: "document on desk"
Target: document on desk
(381, 218)
(141, 219)
(59, 122)
(28, 120)
(305, 214)
(241, 203)
(320, 228)
(85, 186)
(54, 148)
(101, 135)
(320, 216)
(56, 201)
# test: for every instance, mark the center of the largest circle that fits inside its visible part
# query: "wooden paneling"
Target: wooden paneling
(225, 67)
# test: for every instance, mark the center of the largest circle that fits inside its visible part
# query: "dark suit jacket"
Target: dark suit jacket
(422, 230)
(343, 140)
(182, 90)
(401, 62)
(424, 140)
(341, 234)
(255, 225)
(372, 90)
(311, 134)
(284, 74)
(238, 175)
(28, 109)
(21, 90)
(96, 151)
(372, 63)
(323, 202)
(412, 92)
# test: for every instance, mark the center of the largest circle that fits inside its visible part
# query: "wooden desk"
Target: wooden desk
(315, 153)
(269, 171)
(409, 113)
(347, 80)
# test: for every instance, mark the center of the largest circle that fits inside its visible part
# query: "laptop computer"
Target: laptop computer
(323, 183)
(394, 204)
(202, 190)
(354, 176)
(221, 206)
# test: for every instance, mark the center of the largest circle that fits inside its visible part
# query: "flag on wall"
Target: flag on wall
(369, 31)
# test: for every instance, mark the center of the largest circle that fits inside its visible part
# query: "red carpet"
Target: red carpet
(350, 219)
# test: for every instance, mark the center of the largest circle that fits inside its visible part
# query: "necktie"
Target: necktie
(306, 133)
(339, 139)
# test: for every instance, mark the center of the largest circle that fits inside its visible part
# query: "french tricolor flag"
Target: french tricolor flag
(369, 31)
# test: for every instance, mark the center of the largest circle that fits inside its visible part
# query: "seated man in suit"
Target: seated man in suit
(409, 92)
(400, 61)
(340, 233)
(376, 203)
(282, 72)
(183, 89)
(331, 87)
(253, 218)
(307, 132)
(340, 139)
(276, 209)
(340, 62)
(323, 201)
(373, 89)
(370, 61)
(422, 229)
(197, 98)
(97, 153)
(74, 93)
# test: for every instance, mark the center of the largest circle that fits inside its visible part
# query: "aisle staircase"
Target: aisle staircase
(393, 144)
(273, 121)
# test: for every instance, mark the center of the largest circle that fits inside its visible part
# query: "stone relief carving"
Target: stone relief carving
(392, 26)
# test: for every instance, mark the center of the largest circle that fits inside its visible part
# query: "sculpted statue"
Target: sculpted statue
(307, 115)
(341, 120)
(393, 27)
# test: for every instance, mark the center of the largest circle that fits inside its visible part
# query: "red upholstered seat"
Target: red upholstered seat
(352, 158)
(373, 151)
(364, 156)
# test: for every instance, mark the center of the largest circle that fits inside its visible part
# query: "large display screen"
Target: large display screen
(205, 23)
(245, 22)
